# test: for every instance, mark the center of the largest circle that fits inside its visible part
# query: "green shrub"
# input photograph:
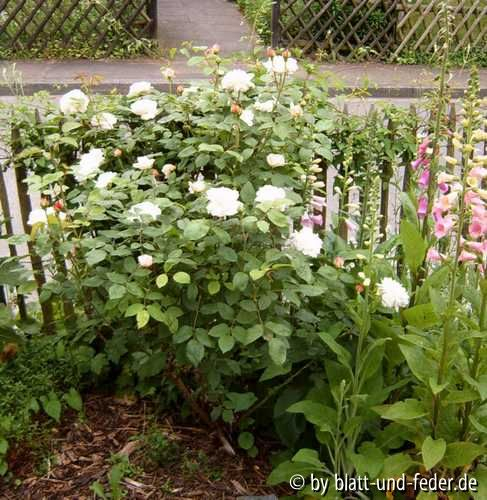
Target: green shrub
(39, 376)
(199, 265)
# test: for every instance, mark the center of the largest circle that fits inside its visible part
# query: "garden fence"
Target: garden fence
(100, 24)
(385, 29)
(16, 203)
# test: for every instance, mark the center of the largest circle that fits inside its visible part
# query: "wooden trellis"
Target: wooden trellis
(27, 24)
(419, 21)
(377, 28)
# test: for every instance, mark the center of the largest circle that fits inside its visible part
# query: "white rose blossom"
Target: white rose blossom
(168, 73)
(146, 209)
(74, 101)
(104, 120)
(105, 179)
(280, 66)
(139, 88)
(270, 194)
(392, 294)
(37, 216)
(145, 108)
(197, 186)
(223, 202)
(247, 117)
(275, 160)
(266, 106)
(168, 169)
(306, 242)
(145, 260)
(143, 163)
(89, 165)
(237, 80)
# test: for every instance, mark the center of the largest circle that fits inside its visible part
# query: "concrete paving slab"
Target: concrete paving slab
(381, 80)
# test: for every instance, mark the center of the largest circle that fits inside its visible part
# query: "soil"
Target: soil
(80, 451)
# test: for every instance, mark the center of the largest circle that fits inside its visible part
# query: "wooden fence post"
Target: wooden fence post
(25, 209)
(4, 203)
(386, 176)
(275, 23)
(152, 10)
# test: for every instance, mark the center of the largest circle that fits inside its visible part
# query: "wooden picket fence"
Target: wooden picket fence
(27, 24)
(383, 29)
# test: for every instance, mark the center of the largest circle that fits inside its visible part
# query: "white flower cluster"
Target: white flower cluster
(237, 80)
(306, 242)
(75, 101)
(280, 65)
(272, 195)
(392, 294)
(223, 202)
(144, 210)
(89, 165)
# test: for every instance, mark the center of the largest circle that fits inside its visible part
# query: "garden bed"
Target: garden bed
(81, 452)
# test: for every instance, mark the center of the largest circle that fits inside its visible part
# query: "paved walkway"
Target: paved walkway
(381, 80)
(204, 22)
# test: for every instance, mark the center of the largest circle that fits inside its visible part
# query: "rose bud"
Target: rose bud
(339, 262)
(235, 108)
(286, 54)
(59, 205)
(359, 288)
(117, 152)
(271, 52)
(179, 89)
(145, 260)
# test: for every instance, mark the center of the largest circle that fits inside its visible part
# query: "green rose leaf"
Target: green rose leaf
(195, 230)
(95, 256)
(116, 292)
(161, 280)
(278, 350)
(195, 352)
(182, 278)
(142, 318)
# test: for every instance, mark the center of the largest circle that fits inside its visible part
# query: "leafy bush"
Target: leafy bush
(38, 375)
(192, 226)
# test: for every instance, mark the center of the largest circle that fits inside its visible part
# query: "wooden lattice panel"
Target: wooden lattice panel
(340, 27)
(419, 23)
(27, 24)
(384, 28)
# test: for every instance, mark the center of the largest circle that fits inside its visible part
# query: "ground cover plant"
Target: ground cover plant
(249, 255)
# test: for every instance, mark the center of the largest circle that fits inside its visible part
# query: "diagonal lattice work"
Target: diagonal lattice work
(377, 28)
(340, 28)
(99, 26)
(419, 23)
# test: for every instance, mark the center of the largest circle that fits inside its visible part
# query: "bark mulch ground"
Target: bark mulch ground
(192, 463)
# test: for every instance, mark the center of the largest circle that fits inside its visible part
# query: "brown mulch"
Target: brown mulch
(80, 452)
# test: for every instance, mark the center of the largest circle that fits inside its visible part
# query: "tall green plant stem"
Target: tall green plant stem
(442, 94)
(453, 282)
(474, 368)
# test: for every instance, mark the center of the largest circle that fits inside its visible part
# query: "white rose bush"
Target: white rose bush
(191, 232)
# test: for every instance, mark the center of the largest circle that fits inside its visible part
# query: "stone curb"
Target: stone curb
(105, 88)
